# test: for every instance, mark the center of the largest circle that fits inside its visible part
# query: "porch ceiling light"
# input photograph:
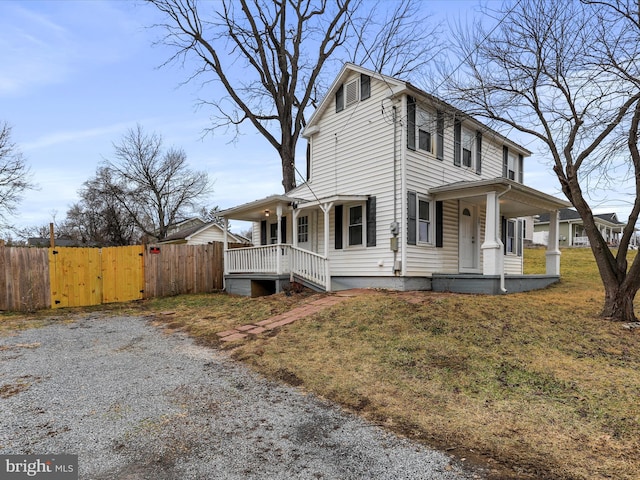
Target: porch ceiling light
(266, 212)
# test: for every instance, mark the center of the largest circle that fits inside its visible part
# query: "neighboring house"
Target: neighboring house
(403, 192)
(58, 242)
(203, 233)
(571, 230)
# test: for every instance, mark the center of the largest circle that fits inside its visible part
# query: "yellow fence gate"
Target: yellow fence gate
(91, 276)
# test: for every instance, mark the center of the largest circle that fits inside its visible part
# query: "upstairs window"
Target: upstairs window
(467, 147)
(512, 165)
(420, 126)
(350, 93)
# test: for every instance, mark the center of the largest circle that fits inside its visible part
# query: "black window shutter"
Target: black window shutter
(338, 226)
(365, 86)
(440, 135)
(503, 234)
(411, 122)
(505, 161)
(478, 152)
(283, 229)
(439, 224)
(520, 239)
(411, 218)
(520, 169)
(263, 232)
(371, 222)
(340, 99)
(457, 142)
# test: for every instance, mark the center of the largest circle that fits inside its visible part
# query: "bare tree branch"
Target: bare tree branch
(15, 175)
(568, 74)
(268, 57)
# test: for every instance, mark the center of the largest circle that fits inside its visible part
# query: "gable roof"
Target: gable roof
(398, 87)
(187, 233)
(569, 214)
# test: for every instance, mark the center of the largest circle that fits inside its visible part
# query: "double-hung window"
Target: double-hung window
(420, 126)
(511, 237)
(425, 126)
(303, 229)
(356, 225)
(468, 147)
(424, 221)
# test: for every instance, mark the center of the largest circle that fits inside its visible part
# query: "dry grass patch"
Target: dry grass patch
(537, 384)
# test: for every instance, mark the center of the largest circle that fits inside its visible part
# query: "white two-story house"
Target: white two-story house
(404, 192)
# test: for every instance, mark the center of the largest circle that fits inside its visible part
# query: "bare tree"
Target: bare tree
(567, 73)
(15, 175)
(154, 187)
(99, 217)
(269, 55)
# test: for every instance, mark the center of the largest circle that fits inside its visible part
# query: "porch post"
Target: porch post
(225, 241)
(553, 249)
(279, 240)
(294, 226)
(326, 210)
(492, 248)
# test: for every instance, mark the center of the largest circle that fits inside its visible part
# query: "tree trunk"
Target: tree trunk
(618, 303)
(287, 157)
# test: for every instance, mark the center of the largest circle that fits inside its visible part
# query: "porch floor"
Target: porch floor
(489, 284)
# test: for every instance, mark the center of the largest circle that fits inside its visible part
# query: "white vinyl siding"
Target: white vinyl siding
(344, 164)
(353, 154)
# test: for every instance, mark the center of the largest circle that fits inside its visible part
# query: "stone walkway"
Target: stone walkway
(251, 329)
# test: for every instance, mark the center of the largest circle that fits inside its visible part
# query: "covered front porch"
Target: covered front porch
(281, 256)
(483, 227)
(490, 250)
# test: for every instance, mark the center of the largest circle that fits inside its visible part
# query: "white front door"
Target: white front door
(468, 243)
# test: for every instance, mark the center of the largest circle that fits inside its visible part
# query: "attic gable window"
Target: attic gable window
(350, 93)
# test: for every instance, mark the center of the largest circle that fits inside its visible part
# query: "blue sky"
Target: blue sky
(76, 75)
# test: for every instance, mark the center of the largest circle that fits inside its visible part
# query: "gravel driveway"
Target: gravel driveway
(136, 403)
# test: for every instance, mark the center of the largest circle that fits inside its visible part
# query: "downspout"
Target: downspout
(395, 225)
(502, 284)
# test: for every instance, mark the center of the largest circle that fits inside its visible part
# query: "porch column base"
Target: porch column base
(553, 262)
(493, 259)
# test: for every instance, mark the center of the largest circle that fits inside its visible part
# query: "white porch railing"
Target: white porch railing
(580, 241)
(279, 259)
(311, 266)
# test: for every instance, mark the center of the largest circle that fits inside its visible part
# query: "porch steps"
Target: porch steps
(309, 284)
(252, 329)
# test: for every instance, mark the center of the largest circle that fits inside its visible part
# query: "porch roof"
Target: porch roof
(255, 211)
(516, 200)
(258, 210)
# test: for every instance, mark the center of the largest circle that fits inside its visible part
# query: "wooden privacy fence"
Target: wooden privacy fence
(24, 278)
(177, 269)
(38, 278)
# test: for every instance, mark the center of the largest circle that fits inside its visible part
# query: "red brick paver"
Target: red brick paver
(244, 331)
